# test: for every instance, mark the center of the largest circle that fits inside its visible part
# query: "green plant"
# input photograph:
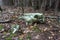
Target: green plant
(28, 36)
(35, 28)
(1, 27)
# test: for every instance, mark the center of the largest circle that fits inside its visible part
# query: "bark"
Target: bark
(43, 5)
(50, 3)
(22, 7)
(56, 6)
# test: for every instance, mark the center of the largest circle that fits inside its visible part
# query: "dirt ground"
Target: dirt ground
(50, 30)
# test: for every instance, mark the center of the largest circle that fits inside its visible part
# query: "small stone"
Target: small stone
(50, 37)
(59, 30)
(51, 26)
(49, 21)
(45, 29)
(37, 37)
(53, 34)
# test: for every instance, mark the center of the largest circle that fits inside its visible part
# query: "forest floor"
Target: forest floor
(50, 30)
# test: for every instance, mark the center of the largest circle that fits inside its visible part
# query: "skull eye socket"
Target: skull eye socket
(36, 16)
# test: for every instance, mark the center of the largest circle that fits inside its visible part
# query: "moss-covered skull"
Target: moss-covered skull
(32, 17)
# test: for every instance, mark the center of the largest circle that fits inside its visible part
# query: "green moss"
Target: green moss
(35, 28)
(1, 27)
(20, 38)
(28, 36)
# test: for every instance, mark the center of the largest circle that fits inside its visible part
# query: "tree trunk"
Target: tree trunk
(50, 3)
(22, 7)
(43, 6)
(56, 7)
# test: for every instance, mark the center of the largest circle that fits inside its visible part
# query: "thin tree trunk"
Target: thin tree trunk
(32, 2)
(40, 2)
(50, 3)
(56, 7)
(43, 6)
(56, 11)
(22, 7)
